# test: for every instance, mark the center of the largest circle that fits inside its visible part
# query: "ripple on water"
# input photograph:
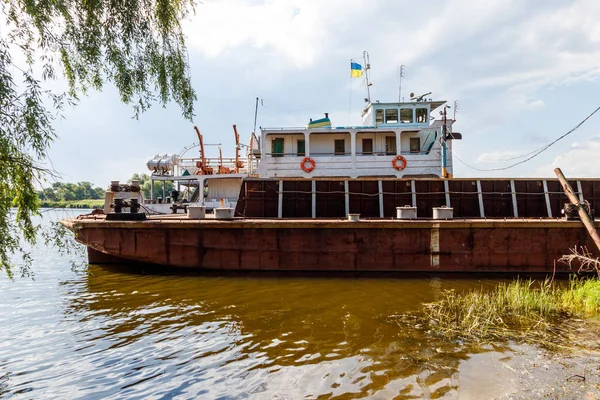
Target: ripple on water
(116, 333)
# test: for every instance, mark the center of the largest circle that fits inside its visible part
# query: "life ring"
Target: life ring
(402, 164)
(311, 165)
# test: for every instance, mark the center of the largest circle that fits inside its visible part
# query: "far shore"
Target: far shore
(90, 203)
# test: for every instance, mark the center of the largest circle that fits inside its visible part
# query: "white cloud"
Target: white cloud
(297, 29)
(581, 161)
(536, 104)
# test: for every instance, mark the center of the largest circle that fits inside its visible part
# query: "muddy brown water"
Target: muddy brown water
(123, 332)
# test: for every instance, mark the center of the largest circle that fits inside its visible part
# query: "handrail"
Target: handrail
(374, 153)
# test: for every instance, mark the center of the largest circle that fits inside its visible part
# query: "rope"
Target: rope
(411, 193)
(152, 212)
(534, 153)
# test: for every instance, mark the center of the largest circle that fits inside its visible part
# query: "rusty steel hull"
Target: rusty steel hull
(517, 245)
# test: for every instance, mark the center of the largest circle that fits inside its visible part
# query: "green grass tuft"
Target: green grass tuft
(512, 309)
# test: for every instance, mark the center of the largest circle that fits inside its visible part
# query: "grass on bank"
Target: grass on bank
(90, 203)
(512, 309)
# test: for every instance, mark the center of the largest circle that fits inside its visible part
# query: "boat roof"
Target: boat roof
(434, 103)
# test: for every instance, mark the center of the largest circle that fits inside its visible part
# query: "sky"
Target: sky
(523, 73)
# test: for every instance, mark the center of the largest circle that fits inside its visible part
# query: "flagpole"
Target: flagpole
(350, 98)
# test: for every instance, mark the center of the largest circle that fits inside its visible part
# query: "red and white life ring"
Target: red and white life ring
(307, 164)
(399, 166)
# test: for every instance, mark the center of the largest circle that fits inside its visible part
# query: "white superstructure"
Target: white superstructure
(395, 140)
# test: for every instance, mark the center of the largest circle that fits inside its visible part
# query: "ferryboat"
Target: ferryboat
(377, 197)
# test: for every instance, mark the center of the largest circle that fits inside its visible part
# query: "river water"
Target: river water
(120, 332)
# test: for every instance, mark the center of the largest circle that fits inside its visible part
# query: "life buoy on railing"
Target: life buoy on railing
(399, 166)
(311, 164)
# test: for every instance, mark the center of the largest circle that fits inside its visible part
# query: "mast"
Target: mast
(444, 149)
(255, 115)
(237, 150)
(400, 76)
(367, 68)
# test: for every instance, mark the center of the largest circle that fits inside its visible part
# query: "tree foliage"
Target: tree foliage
(146, 186)
(63, 191)
(137, 45)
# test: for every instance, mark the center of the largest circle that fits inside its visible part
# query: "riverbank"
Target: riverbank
(89, 203)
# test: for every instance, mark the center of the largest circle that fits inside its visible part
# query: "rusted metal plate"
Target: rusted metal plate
(330, 199)
(531, 200)
(364, 199)
(464, 198)
(440, 247)
(395, 194)
(497, 199)
(557, 197)
(297, 199)
(430, 194)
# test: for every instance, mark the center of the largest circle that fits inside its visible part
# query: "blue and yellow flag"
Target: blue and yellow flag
(355, 70)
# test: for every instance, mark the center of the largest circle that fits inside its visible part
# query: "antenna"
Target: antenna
(456, 106)
(367, 68)
(419, 98)
(400, 76)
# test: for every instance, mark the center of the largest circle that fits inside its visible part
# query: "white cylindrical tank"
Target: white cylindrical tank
(163, 163)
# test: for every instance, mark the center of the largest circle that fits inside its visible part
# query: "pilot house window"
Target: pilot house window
(379, 116)
(421, 115)
(340, 147)
(391, 116)
(406, 115)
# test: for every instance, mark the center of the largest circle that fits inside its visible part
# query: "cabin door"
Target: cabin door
(277, 149)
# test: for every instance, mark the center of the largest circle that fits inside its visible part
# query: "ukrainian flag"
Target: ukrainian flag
(355, 70)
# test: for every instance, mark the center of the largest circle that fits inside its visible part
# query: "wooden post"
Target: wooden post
(585, 218)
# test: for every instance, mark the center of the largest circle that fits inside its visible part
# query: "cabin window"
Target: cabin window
(406, 115)
(339, 146)
(391, 116)
(415, 145)
(367, 146)
(421, 115)
(390, 145)
(277, 147)
(301, 147)
(379, 116)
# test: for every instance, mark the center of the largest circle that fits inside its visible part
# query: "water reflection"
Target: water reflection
(263, 336)
(119, 333)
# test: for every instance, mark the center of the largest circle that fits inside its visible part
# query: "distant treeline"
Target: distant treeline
(84, 195)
